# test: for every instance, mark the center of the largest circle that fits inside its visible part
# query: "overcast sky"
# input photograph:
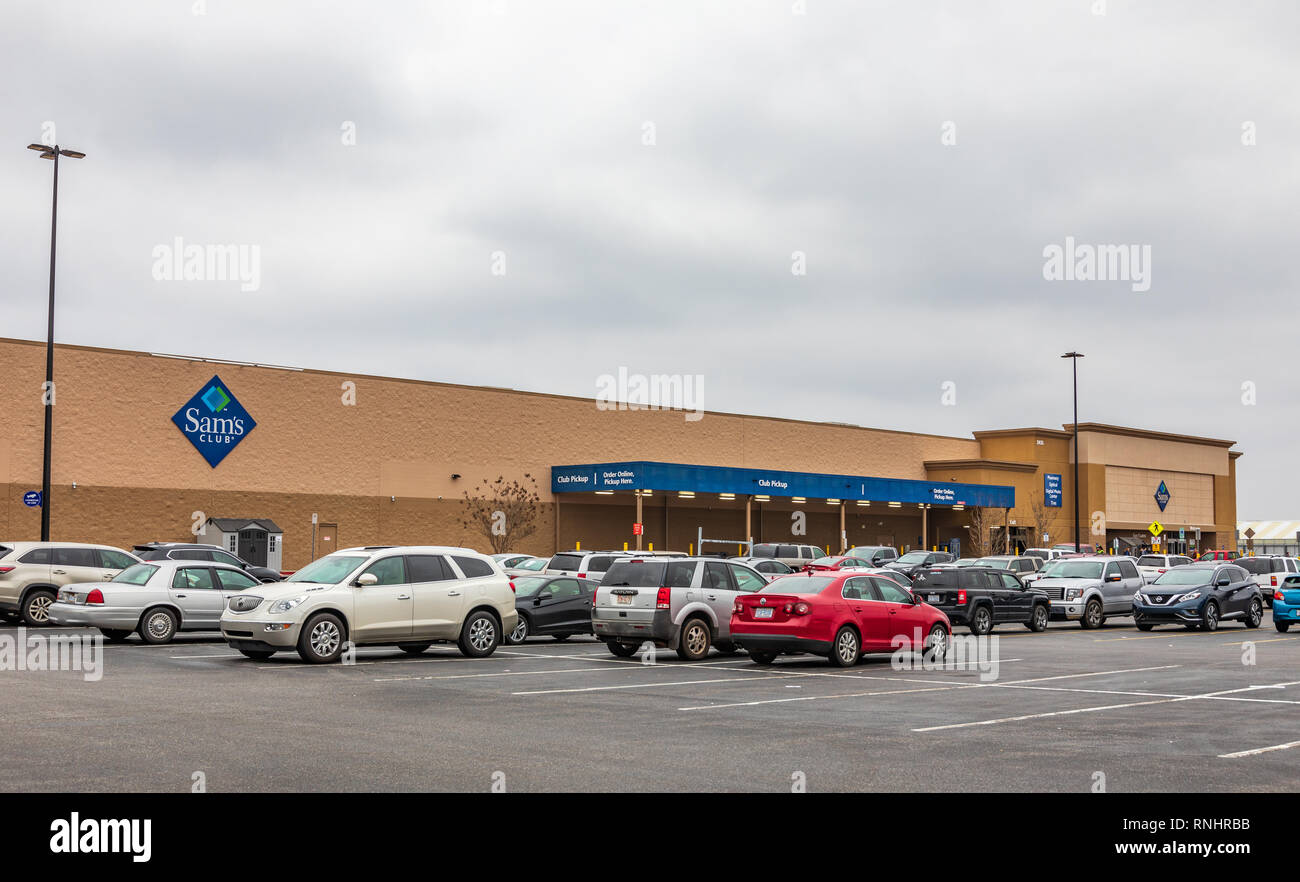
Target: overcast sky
(520, 129)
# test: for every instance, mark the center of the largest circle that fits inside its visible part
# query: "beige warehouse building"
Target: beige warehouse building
(380, 460)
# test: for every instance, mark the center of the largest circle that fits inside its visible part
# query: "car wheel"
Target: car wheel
(1038, 618)
(936, 643)
(1144, 626)
(981, 621)
(762, 658)
(1255, 615)
(321, 640)
(622, 650)
(413, 648)
(1092, 617)
(847, 649)
(693, 644)
(158, 626)
(479, 635)
(520, 633)
(259, 654)
(1210, 617)
(1282, 627)
(36, 608)
(114, 636)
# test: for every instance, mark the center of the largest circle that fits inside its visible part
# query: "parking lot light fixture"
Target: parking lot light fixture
(52, 152)
(1074, 357)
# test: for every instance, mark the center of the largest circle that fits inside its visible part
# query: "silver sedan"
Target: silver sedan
(153, 599)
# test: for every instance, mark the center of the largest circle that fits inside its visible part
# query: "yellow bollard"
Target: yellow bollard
(652, 546)
(577, 546)
(690, 549)
(625, 546)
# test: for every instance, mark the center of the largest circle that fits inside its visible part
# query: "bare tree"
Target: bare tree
(1043, 519)
(981, 523)
(504, 513)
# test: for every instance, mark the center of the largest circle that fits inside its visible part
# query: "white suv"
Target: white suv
(405, 596)
(1268, 571)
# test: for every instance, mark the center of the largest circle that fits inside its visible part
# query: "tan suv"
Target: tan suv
(31, 574)
(405, 596)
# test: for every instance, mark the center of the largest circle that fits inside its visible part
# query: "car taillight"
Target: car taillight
(582, 575)
(95, 596)
(1272, 580)
(798, 609)
(512, 588)
(663, 600)
(1277, 595)
(4, 570)
(961, 595)
(1160, 570)
(738, 609)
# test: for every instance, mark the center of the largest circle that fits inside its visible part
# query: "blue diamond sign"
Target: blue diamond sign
(1162, 496)
(214, 421)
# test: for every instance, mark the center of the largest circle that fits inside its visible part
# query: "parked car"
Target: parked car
(1020, 564)
(154, 599)
(553, 606)
(1047, 554)
(510, 559)
(768, 567)
(1199, 596)
(1267, 571)
(1286, 604)
(197, 551)
(879, 555)
(530, 567)
(837, 562)
(962, 562)
(31, 574)
(791, 554)
(899, 577)
(1219, 554)
(983, 597)
(681, 603)
(592, 565)
(1151, 566)
(840, 616)
(405, 596)
(913, 561)
(1090, 589)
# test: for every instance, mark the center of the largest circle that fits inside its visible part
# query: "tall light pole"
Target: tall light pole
(1075, 356)
(47, 396)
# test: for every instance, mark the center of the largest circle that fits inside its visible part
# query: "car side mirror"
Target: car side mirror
(366, 579)
(1113, 577)
(915, 598)
(1223, 582)
(542, 597)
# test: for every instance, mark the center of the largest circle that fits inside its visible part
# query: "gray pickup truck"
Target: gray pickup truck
(681, 603)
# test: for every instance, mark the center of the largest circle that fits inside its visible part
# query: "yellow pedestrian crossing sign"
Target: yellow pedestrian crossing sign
(1155, 529)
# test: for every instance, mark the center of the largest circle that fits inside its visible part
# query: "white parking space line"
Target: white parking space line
(1096, 708)
(1257, 751)
(494, 674)
(817, 698)
(214, 655)
(762, 676)
(1094, 674)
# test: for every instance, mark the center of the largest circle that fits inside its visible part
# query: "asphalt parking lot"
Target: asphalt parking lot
(1166, 710)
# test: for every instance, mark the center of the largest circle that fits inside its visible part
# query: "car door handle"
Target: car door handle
(403, 597)
(712, 597)
(60, 572)
(182, 595)
(453, 594)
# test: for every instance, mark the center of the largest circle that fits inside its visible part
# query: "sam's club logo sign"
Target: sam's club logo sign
(214, 421)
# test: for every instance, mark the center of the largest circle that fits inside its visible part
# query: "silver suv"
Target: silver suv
(31, 574)
(681, 603)
(794, 556)
(1090, 589)
(405, 596)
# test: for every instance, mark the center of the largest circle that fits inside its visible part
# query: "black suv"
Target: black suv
(195, 551)
(914, 561)
(981, 597)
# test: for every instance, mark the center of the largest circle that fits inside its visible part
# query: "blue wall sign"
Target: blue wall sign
(32, 498)
(671, 477)
(1051, 491)
(1162, 496)
(214, 421)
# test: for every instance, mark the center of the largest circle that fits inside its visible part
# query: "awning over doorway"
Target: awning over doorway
(679, 477)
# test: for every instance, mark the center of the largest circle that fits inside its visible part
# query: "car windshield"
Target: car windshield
(968, 562)
(913, 557)
(1151, 560)
(797, 585)
(826, 561)
(135, 575)
(995, 562)
(329, 570)
(1072, 569)
(533, 563)
(1185, 576)
(527, 586)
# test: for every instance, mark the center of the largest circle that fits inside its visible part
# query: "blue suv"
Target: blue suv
(1200, 596)
(1286, 603)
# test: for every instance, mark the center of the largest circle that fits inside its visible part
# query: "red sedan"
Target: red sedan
(835, 562)
(841, 616)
